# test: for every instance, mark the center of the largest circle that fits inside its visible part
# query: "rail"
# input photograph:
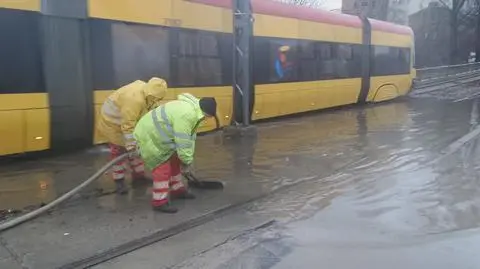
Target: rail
(439, 74)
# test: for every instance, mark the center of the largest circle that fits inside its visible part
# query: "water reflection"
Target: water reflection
(32, 190)
(385, 139)
(362, 130)
(380, 204)
(470, 148)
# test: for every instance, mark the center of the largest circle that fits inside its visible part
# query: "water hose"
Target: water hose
(14, 222)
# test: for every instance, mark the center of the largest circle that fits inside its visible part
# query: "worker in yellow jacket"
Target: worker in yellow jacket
(119, 115)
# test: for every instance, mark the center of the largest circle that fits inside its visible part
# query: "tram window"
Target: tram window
(139, 52)
(199, 59)
(349, 61)
(404, 55)
(342, 61)
(325, 51)
(225, 46)
(187, 66)
(209, 65)
(209, 71)
(101, 55)
(306, 50)
(307, 70)
(345, 52)
(187, 44)
(20, 56)
(261, 61)
(357, 52)
(382, 63)
(208, 45)
(396, 59)
(390, 61)
(356, 62)
(326, 61)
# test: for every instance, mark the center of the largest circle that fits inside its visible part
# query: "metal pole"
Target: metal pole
(242, 84)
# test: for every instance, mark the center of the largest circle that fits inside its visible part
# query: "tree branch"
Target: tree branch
(459, 4)
(444, 3)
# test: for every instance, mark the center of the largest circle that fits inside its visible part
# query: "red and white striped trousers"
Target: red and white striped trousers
(136, 164)
(167, 180)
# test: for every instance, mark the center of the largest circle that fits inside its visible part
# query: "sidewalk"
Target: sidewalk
(286, 152)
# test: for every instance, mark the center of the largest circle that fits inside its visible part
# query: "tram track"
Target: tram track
(438, 83)
(164, 234)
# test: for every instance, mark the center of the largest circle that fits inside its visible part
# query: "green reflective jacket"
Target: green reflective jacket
(168, 129)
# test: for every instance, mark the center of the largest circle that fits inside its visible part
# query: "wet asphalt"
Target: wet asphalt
(383, 186)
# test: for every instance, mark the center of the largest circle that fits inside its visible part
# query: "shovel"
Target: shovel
(202, 184)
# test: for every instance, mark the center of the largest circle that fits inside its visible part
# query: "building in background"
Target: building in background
(430, 21)
(432, 35)
(416, 5)
(432, 28)
(396, 11)
(376, 9)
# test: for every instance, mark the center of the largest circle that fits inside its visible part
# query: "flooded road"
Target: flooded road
(411, 205)
(361, 187)
(418, 129)
(404, 193)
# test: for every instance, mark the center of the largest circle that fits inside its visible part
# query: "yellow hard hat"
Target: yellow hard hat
(284, 48)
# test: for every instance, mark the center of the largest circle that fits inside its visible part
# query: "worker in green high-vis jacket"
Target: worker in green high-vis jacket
(166, 141)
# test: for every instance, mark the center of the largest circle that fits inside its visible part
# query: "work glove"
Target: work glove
(133, 154)
(132, 150)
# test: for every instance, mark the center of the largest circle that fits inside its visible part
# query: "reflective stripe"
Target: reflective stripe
(115, 121)
(170, 127)
(112, 108)
(160, 196)
(176, 178)
(160, 185)
(112, 111)
(118, 175)
(128, 137)
(177, 186)
(118, 168)
(170, 134)
(184, 145)
(160, 130)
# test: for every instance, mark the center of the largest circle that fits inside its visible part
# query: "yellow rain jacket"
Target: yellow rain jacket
(124, 108)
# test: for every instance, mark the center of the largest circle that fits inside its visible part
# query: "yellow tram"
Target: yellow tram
(57, 65)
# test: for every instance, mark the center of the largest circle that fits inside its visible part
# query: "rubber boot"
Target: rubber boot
(166, 208)
(186, 195)
(121, 187)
